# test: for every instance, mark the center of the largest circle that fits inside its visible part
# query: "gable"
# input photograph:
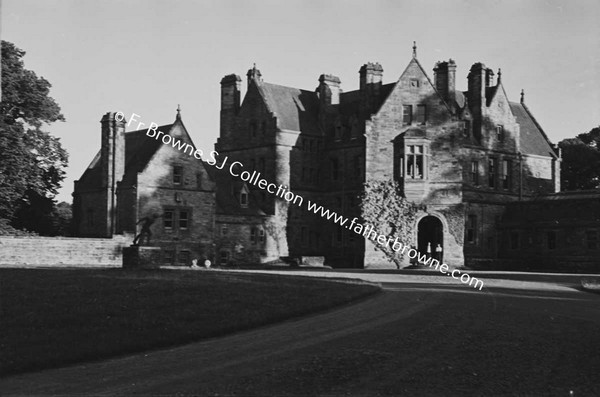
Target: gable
(153, 158)
(414, 88)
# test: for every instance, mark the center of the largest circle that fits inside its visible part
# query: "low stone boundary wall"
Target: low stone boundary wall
(62, 251)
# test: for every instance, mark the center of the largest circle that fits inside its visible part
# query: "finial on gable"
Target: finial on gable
(499, 75)
(522, 96)
(414, 49)
(178, 117)
(254, 74)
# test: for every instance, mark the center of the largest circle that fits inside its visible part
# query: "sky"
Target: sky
(146, 57)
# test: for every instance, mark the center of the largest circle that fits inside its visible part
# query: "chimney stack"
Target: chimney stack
(444, 75)
(329, 89)
(371, 76)
(112, 165)
(230, 102)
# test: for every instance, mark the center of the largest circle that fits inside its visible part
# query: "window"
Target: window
(311, 175)
(261, 235)
(183, 220)
(90, 217)
(514, 240)
(592, 239)
(303, 235)
(198, 181)
(223, 257)
(252, 164)
(551, 239)
(253, 235)
(177, 174)
(338, 234)
(421, 114)
(303, 176)
(472, 229)
(173, 218)
(505, 174)
(168, 219)
(492, 172)
(414, 162)
(407, 114)
(334, 165)
(467, 128)
(357, 168)
(338, 132)
(183, 258)
(414, 83)
(500, 133)
(244, 199)
(261, 165)
(264, 128)
(253, 129)
(224, 230)
(168, 257)
(475, 173)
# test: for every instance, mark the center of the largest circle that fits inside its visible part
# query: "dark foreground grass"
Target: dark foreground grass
(55, 317)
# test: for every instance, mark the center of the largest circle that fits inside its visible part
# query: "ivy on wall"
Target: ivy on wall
(385, 208)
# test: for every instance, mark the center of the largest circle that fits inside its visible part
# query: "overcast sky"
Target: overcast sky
(146, 57)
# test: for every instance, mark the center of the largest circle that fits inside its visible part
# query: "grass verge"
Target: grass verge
(53, 317)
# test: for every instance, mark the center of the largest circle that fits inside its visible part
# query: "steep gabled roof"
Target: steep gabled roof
(295, 109)
(533, 139)
(139, 150)
(91, 177)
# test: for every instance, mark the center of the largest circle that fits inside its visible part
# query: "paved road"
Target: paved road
(423, 335)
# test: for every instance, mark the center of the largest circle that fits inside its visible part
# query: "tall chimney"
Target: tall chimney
(371, 76)
(112, 165)
(444, 75)
(329, 89)
(230, 102)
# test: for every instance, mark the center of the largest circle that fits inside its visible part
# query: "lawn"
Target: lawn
(53, 317)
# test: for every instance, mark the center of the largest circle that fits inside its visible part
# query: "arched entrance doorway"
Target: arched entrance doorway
(431, 232)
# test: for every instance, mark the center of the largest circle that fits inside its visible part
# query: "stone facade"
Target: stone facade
(464, 156)
(135, 178)
(472, 160)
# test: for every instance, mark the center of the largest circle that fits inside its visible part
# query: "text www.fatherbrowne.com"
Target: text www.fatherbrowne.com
(254, 178)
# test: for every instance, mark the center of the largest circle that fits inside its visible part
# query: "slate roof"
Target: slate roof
(295, 109)
(139, 149)
(533, 138)
(228, 203)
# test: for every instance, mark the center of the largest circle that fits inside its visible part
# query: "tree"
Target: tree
(580, 168)
(384, 206)
(32, 161)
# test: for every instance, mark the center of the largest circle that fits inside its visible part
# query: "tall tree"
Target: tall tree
(32, 161)
(580, 169)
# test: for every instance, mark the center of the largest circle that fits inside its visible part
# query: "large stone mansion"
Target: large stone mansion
(479, 164)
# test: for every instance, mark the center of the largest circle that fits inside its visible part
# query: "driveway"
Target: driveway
(423, 335)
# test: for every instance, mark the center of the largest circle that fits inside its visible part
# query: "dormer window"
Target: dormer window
(253, 129)
(244, 199)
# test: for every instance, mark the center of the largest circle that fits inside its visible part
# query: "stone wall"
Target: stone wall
(61, 251)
